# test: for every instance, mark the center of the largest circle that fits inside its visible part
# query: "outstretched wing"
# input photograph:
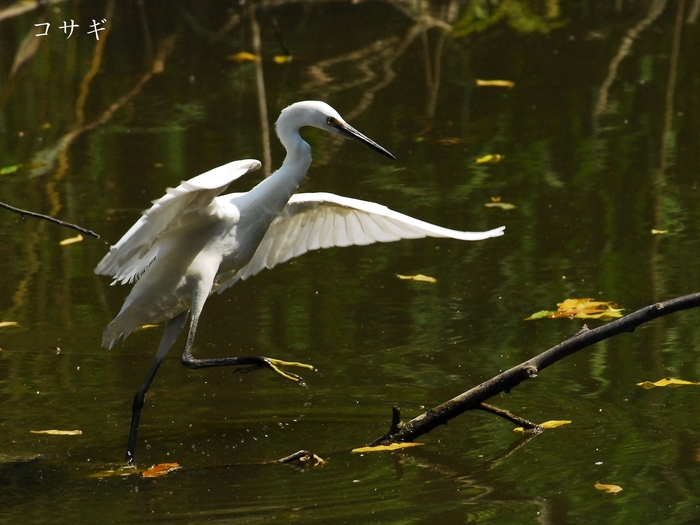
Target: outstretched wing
(130, 257)
(311, 221)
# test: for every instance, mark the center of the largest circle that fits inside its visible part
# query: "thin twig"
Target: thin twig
(48, 218)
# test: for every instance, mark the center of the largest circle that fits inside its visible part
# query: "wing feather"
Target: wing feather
(321, 220)
(137, 249)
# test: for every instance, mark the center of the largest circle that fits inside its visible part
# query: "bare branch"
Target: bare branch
(48, 218)
(474, 398)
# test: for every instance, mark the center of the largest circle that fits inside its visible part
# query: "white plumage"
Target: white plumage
(192, 241)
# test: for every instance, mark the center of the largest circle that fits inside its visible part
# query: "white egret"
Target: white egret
(192, 242)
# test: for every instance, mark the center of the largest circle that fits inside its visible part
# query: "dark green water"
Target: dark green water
(601, 142)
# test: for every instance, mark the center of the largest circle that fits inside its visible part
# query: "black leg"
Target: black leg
(172, 331)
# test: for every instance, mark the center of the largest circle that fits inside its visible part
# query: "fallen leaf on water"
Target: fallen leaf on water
(283, 59)
(159, 470)
(449, 141)
(9, 169)
(382, 448)
(610, 489)
(490, 159)
(58, 432)
(581, 309)
(5, 324)
(501, 205)
(668, 381)
(244, 56)
(495, 83)
(127, 470)
(658, 232)
(28, 166)
(418, 277)
(547, 424)
(71, 240)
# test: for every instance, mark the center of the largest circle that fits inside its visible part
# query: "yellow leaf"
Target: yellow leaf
(658, 232)
(501, 205)
(127, 470)
(71, 240)
(382, 448)
(418, 277)
(610, 489)
(669, 381)
(283, 59)
(58, 432)
(585, 308)
(244, 56)
(555, 423)
(490, 159)
(547, 424)
(5, 324)
(156, 471)
(495, 83)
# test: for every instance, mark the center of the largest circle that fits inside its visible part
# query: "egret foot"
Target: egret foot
(275, 364)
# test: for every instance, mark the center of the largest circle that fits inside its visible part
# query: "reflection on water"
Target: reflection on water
(598, 142)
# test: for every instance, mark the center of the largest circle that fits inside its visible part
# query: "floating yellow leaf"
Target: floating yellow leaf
(546, 424)
(658, 232)
(71, 240)
(582, 309)
(495, 83)
(610, 489)
(5, 324)
(668, 381)
(127, 470)
(501, 205)
(159, 470)
(244, 56)
(418, 277)
(382, 448)
(490, 159)
(555, 423)
(283, 59)
(58, 432)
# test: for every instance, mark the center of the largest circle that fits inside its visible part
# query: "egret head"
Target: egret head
(321, 115)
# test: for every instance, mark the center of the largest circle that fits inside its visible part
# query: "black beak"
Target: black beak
(347, 131)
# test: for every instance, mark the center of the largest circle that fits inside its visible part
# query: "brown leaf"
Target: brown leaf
(156, 471)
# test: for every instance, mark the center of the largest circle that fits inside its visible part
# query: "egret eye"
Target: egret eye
(330, 121)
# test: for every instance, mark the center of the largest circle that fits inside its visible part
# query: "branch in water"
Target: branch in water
(504, 382)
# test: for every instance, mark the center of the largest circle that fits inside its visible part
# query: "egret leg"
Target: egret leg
(255, 361)
(172, 331)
